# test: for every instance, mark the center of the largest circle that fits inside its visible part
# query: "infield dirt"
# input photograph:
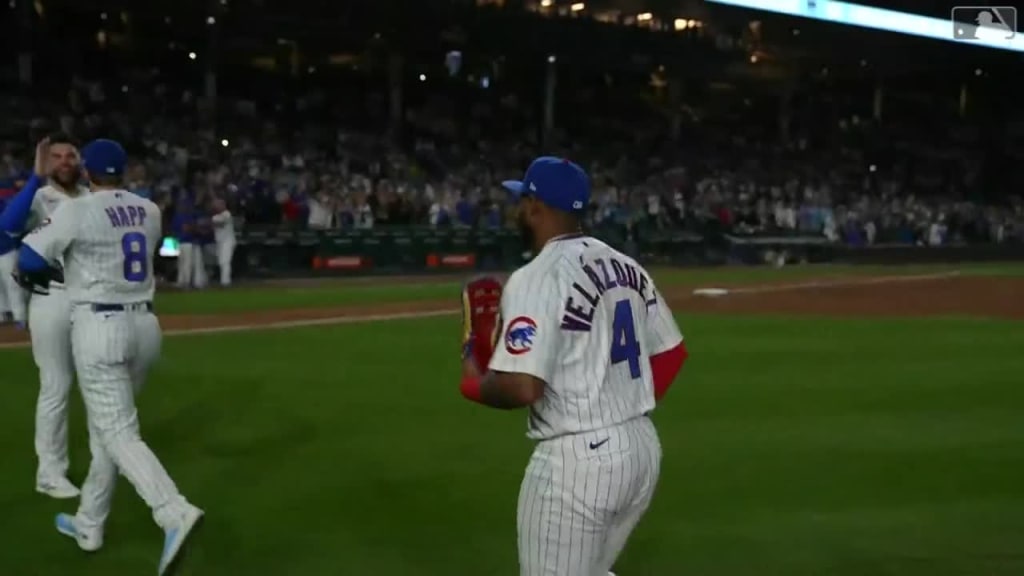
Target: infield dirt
(895, 296)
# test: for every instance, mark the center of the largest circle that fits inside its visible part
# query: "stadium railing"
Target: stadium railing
(287, 253)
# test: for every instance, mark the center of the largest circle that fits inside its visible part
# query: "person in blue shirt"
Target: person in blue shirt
(203, 238)
(15, 215)
(6, 316)
(465, 211)
(183, 227)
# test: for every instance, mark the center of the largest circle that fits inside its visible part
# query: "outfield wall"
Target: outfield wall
(273, 253)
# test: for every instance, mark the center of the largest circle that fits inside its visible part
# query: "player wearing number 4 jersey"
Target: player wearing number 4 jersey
(588, 344)
(104, 241)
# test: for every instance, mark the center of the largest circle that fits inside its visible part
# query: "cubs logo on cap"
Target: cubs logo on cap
(519, 335)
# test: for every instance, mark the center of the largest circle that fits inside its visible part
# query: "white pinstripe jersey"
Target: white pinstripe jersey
(106, 240)
(586, 319)
(44, 204)
(223, 227)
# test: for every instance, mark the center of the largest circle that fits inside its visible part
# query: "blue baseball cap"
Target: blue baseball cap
(104, 157)
(556, 182)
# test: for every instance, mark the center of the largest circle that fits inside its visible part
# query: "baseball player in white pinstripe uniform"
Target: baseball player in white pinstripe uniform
(6, 314)
(14, 297)
(105, 240)
(49, 315)
(588, 344)
(224, 237)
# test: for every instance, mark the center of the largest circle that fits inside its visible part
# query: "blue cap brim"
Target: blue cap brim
(514, 186)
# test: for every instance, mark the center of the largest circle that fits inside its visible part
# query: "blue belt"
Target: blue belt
(135, 307)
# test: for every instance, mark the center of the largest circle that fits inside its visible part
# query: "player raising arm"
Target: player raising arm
(12, 223)
(56, 180)
(587, 343)
(103, 239)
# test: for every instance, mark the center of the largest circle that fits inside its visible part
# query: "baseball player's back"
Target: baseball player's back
(110, 261)
(610, 318)
(588, 345)
(103, 240)
(106, 241)
(586, 319)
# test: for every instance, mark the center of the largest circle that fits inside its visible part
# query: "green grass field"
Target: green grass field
(811, 446)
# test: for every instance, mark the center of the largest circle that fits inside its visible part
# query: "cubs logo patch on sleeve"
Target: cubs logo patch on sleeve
(519, 335)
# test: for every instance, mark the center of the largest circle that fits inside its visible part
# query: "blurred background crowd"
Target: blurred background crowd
(725, 122)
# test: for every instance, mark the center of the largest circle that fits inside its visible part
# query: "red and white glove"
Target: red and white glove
(481, 308)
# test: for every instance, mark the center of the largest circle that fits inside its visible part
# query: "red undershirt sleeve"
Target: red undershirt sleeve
(668, 351)
(665, 367)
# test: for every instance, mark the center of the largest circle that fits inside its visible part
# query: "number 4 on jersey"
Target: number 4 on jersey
(625, 347)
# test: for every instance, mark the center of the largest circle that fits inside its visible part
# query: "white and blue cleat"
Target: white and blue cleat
(60, 488)
(175, 537)
(89, 540)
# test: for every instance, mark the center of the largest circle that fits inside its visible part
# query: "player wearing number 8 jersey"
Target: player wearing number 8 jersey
(104, 241)
(589, 345)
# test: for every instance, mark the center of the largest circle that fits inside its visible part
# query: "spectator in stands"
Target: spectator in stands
(937, 231)
(280, 154)
(362, 212)
(440, 212)
(136, 181)
(321, 212)
(465, 212)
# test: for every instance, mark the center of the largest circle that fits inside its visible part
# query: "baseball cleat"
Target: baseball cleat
(60, 488)
(88, 540)
(175, 537)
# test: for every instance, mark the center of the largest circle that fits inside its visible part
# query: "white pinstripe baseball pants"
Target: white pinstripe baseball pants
(225, 252)
(49, 322)
(17, 299)
(199, 276)
(113, 353)
(578, 505)
(5, 308)
(186, 252)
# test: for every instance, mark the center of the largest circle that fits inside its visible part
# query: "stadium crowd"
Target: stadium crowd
(298, 166)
